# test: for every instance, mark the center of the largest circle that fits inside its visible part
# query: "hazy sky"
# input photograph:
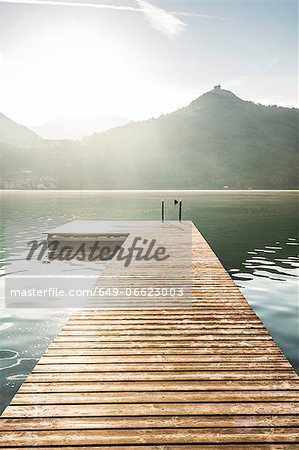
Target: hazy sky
(138, 59)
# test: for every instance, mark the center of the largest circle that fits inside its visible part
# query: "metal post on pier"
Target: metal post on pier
(163, 211)
(180, 211)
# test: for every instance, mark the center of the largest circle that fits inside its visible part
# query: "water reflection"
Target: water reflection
(30, 332)
(281, 261)
(270, 284)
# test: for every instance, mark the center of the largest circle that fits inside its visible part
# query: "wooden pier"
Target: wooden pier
(207, 376)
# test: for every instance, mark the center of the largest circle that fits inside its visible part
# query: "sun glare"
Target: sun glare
(74, 71)
(83, 71)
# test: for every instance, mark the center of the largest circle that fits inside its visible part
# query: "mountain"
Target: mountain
(77, 127)
(14, 134)
(217, 141)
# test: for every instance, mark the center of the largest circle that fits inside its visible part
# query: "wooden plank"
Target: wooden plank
(153, 367)
(56, 351)
(69, 423)
(150, 436)
(182, 325)
(158, 320)
(223, 446)
(152, 409)
(117, 359)
(248, 344)
(66, 337)
(161, 314)
(160, 386)
(184, 332)
(155, 397)
(164, 376)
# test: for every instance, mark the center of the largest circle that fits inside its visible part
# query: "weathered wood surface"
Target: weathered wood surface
(205, 377)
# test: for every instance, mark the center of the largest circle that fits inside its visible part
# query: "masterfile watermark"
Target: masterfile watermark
(99, 292)
(116, 265)
(140, 250)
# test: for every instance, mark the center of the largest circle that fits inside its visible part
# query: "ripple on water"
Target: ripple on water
(270, 283)
(8, 359)
(8, 354)
(18, 377)
(5, 326)
(260, 261)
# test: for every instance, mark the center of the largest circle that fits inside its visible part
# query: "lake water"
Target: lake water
(255, 235)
